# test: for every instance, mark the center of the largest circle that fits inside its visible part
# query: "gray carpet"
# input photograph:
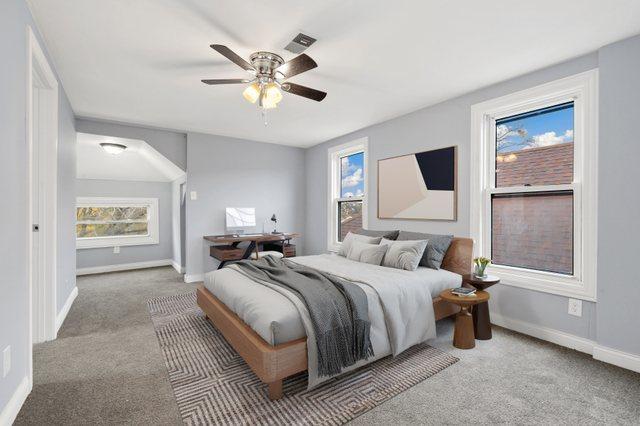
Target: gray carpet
(106, 368)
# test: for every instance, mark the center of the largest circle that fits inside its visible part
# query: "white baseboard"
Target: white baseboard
(616, 357)
(65, 309)
(193, 278)
(601, 353)
(179, 269)
(11, 410)
(123, 267)
(544, 333)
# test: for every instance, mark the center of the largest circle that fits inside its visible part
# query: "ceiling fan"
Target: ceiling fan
(268, 72)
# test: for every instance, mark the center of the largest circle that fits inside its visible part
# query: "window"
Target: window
(347, 190)
(534, 186)
(109, 222)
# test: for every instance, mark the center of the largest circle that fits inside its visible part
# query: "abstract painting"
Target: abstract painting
(418, 186)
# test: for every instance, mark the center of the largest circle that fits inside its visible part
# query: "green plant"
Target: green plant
(481, 264)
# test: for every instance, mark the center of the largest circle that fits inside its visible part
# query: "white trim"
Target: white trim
(65, 309)
(38, 71)
(179, 269)
(616, 357)
(544, 333)
(153, 221)
(193, 278)
(600, 353)
(582, 89)
(123, 267)
(11, 410)
(334, 153)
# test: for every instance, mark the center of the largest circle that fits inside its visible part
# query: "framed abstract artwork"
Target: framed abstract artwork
(418, 186)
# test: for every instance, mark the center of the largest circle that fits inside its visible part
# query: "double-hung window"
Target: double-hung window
(533, 209)
(347, 190)
(109, 222)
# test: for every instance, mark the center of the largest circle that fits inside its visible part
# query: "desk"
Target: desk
(226, 248)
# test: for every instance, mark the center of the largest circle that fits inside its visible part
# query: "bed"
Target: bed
(268, 331)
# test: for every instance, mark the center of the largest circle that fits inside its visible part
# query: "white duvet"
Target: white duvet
(400, 304)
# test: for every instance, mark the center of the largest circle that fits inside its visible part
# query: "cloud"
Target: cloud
(550, 138)
(348, 194)
(353, 179)
(359, 193)
(346, 166)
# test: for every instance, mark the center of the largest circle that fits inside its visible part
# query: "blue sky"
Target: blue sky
(352, 175)
(540, 130)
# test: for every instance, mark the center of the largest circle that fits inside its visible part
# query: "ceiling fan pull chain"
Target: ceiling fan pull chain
(264, 116)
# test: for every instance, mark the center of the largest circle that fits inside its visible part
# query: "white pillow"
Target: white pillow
(367, 253)
(351, 237)
(403, 254)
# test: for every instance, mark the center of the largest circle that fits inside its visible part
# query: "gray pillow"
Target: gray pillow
(403, 254)
(367, 253)
(389, 235)
(351, 237)
(436, 249)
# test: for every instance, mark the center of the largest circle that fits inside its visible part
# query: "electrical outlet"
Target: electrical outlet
(116, 249)
(6, 361)
(193, 195)
(575, 307)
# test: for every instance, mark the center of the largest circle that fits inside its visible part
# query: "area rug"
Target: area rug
(213, 385)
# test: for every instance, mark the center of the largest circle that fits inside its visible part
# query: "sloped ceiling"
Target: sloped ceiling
(139, 162)
(141, 61)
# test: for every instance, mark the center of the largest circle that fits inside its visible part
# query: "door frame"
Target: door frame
(39, 73)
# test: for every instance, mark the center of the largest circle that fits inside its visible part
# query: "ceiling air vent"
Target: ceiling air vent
(300, 43)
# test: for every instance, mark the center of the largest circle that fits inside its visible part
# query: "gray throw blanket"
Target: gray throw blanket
(338, 309)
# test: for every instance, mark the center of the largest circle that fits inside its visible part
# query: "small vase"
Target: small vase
(479, 271)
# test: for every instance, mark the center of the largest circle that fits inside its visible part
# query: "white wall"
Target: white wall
(229, 172)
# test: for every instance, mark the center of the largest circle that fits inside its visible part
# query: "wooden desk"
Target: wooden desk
(226, 248)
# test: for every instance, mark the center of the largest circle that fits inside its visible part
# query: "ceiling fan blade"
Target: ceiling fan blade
(296, 66)
(304, 91)
(232, 56)
(226, 81)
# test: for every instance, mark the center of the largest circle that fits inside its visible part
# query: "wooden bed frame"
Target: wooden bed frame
(274, 363)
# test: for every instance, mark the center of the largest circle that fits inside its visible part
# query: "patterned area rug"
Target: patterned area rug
(213, 385)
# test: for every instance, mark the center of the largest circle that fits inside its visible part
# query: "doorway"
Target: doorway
(42, 149)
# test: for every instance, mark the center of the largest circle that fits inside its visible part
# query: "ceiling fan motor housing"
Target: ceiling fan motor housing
(265, 64)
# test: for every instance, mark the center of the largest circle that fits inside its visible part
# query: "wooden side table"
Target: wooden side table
(463, 336)
(481, 318)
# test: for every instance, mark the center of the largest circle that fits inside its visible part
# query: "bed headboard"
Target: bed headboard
(459, 256)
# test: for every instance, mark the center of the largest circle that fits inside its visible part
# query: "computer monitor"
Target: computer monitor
(238, 219)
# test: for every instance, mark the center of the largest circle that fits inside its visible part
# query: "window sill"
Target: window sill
(115, 242)
(544, 282)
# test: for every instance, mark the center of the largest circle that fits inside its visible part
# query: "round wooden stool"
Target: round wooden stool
(463, 336)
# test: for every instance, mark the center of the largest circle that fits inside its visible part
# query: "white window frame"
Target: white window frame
(582, 89)
(152, 237)
(334, 167)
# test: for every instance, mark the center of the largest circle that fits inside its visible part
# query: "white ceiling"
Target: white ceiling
(141, 61)
(139, 162)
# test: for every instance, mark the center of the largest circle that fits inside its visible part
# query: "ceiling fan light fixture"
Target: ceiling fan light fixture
(271, 93)
(113, 148)
(252, 93)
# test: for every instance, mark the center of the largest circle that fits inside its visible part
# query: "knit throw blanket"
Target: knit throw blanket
(338, 309)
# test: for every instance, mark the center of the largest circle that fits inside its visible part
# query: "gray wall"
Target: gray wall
(619, 197)
(172, 145)
(86, 258)
(228, 172)
(14, 299)
(66, 263)
(446, 124)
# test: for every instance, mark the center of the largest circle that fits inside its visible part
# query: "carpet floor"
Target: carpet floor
(106, 368)
(213, 385)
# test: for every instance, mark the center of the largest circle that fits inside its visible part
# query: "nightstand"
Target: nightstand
(463, 336)
(481, 318)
